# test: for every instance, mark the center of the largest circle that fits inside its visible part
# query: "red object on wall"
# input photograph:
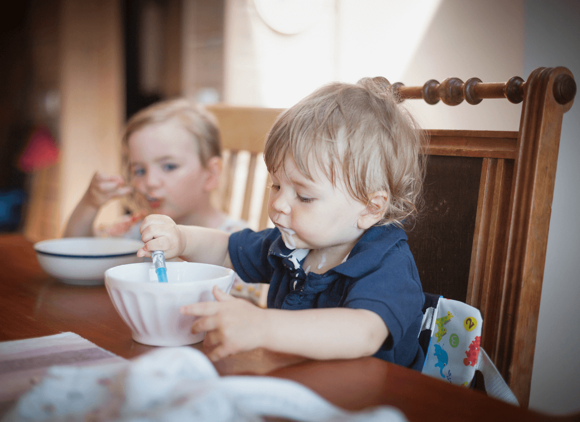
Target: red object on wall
(41, 152)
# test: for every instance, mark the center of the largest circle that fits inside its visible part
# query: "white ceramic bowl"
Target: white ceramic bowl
(151, 309)
(84, 260)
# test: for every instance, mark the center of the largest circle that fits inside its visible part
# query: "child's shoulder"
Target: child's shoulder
(122, 227)
(379, 250)
(387, 236)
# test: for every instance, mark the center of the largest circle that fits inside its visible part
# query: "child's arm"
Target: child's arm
(191, 243)
(101, 189)
(235, 325)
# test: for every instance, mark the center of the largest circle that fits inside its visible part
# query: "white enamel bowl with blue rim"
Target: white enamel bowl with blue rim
(151, 308)
(84, 260)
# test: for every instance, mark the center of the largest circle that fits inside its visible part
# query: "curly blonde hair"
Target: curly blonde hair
(358, 132)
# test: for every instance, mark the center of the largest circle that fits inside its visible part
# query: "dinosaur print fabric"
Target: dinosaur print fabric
(453, 351)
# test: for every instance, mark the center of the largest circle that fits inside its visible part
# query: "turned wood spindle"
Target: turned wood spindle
(397, 91)
(469, 91)
(564, 89)
(430, 92)
(514, 90)
(451, 91)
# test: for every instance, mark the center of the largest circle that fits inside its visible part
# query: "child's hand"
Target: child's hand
(160, 233)
(104, 188)
(232, 325)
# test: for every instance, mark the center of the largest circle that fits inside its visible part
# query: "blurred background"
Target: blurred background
(73, 71)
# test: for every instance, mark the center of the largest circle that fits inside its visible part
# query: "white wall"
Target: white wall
(267, 68)
(552, 38)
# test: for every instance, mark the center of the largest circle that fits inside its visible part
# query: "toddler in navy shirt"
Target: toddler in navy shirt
(347, 168)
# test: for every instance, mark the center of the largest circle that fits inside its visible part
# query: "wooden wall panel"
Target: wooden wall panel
(91, 81)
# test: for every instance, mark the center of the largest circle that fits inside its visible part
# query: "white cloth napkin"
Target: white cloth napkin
(175, 384)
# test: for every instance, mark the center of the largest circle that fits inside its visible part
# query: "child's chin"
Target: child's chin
(301, 245)
(163, 211)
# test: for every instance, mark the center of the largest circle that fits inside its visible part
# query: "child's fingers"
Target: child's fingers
(143, 253)
(107, 183)
(220, 295)
(125, 190)
(218, 353)
(154, 219)
(209, 342)
(200, 309)
(107, 186)
(157, 244)
(156, 232)
(99, 176)
(204, 324)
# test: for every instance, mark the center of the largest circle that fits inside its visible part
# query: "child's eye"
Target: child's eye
(169, 167)
(138, 172)
(306, 200)
(275, 187)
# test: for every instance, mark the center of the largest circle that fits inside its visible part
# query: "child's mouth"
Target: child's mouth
(287, 237)
(154, 202)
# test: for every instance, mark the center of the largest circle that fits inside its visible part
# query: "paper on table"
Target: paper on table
(175, 384)
(23, 363)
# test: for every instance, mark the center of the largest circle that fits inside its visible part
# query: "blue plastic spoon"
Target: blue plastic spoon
(158, 258)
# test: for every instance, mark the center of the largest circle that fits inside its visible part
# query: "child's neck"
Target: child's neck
(319, 261)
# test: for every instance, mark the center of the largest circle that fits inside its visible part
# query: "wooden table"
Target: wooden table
(33, 304)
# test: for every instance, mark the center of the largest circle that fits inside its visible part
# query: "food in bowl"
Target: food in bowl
(84, 260)
(151, 308)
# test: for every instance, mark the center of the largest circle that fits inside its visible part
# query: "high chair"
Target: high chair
(482, 235)
(488, 197)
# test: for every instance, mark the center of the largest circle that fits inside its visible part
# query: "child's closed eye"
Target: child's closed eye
(304, 199)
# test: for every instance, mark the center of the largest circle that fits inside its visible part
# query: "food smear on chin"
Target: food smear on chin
(287, 237)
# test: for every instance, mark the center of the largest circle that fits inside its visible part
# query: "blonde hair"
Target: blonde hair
(360, 133)
(201, 124)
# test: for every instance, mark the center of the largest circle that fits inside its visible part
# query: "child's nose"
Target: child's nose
(280, 204)
(153, 179)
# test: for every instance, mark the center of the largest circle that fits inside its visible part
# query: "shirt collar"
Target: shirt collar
(369, 251)
(364, 258)
(278, 248)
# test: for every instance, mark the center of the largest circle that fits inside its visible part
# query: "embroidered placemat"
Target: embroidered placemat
(23, 363)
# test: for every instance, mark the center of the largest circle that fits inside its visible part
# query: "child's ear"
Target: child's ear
(214, 170)
(378, 202)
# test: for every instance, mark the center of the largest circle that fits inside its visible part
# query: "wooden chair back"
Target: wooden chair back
(243, 188)
(482, 235)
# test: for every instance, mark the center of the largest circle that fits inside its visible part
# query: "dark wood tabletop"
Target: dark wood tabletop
(33, 304)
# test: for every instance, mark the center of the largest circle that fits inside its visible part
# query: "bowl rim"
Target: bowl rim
(85, 256)
(111, 280)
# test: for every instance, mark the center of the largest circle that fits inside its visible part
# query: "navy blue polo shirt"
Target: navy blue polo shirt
(379, 275)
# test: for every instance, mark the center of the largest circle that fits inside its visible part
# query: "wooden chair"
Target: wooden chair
(482, 235)
(483, 232)
(243, 189)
